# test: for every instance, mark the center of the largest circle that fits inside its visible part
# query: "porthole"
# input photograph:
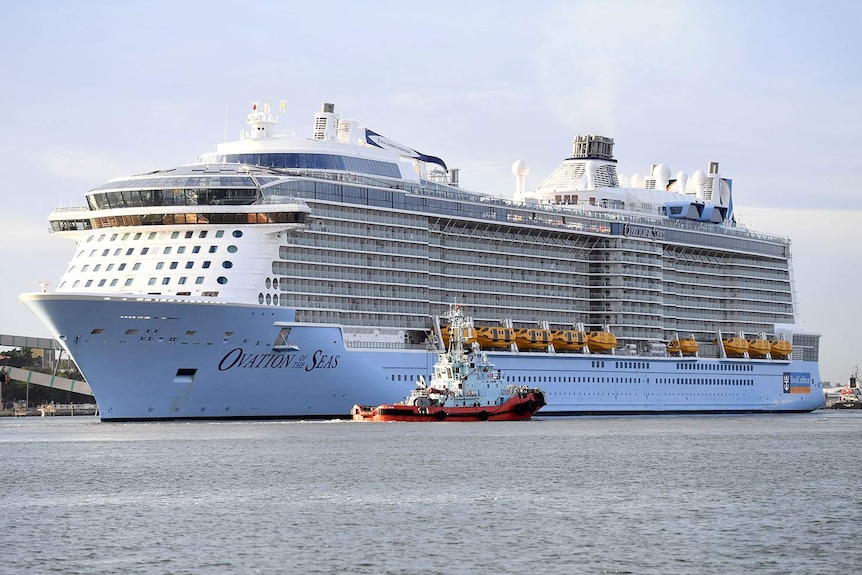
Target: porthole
(275, 283)
(222, 280)
(227, 265)
(268, 283)
(232, 249)
(275, 299)
(237, 233)
(268, 299)
(260, 298)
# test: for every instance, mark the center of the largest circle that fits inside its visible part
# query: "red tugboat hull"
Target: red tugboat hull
(517, 408)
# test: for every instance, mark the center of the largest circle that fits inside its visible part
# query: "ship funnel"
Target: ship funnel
(325, 123)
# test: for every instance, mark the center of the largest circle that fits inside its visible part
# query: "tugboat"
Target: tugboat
(849, 397)
(465, 387)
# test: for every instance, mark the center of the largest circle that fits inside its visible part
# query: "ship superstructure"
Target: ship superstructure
(276, 263)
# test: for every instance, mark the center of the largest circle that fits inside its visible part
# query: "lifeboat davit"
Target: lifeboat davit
(683, 346)
(531, 338)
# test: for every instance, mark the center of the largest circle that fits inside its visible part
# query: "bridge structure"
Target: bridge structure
(35, 377)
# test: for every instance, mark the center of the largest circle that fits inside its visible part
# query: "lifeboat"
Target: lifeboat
(601, 341)
(735, 346)
(569, 339)
(758, 348)
(781, 349)
(531, 338)
(491, 337)
(683, 346)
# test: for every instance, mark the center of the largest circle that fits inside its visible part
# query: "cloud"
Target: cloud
(602, 61)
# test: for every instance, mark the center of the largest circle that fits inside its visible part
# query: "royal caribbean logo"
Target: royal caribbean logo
(797, 382)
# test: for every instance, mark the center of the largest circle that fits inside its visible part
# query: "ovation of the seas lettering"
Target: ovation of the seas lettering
(797, 382)
(237, 358)
(652, 233)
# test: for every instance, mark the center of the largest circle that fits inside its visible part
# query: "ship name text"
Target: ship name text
(308, 362)
(652, 233)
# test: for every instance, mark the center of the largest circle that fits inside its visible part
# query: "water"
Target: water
(727, 494)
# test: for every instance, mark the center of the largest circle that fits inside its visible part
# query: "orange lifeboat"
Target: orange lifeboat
(491, 337)
(569, 339)
(781, 349)
(532, 338)
(683, 346)
(601, 341)
(735, 346)
(758, 348)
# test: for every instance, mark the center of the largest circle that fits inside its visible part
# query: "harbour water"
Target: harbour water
(723, 494)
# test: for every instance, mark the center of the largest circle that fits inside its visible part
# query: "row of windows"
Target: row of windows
(144, 251)
(714, 366)
(315, 162)
(195, 181)
(130, 281)
(181, 280)
(632, 365)
(604, 379)
(269, 299)
(172, 197)
(153, 235)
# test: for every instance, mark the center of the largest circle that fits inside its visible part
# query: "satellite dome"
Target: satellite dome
(520, 168)
(680, 184)
(699, 178)
(637, 180)
(661, 172)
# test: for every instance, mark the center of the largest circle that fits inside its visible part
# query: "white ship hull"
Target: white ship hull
(294, 278)
(160, 373)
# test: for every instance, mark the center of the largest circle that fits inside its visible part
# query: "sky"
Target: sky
(772, 90)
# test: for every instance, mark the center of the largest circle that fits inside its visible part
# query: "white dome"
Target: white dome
(661, 172)
(680, 183)
(637, 180)
(520, 168)
(699, 178)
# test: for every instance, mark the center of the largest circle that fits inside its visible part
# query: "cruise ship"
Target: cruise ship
(282, 277)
